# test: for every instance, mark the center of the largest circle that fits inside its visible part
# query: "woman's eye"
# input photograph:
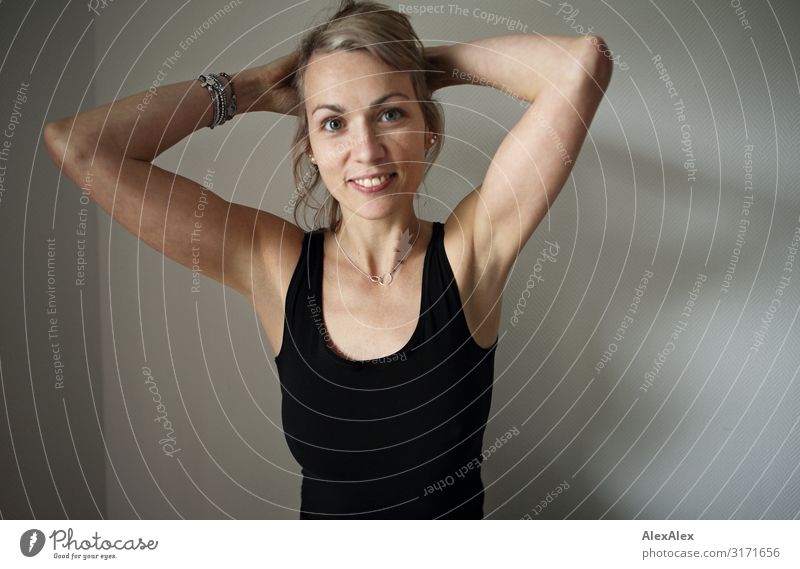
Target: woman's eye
(396, 112)
(330, 122)
(334, 123)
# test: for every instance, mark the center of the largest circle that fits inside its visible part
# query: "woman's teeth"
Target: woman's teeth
(371, 182)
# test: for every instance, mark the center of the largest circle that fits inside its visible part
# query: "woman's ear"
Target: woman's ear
(430, 140)
(310, 154)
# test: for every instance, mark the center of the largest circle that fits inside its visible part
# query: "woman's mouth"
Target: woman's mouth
(370, 185)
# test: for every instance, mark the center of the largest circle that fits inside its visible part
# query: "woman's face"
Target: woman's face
(366, 130)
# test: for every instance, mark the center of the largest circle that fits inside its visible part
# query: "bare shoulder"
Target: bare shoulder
(281, 251)
(459, 242)
(480, 289)
(280, 248)
(457, 236)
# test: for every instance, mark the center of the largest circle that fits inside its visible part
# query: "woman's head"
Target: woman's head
(366, 109)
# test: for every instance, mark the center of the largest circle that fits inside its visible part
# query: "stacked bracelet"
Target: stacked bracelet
(223, 108)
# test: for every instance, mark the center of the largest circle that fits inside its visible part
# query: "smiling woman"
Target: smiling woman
(382, 46)
(385, 326)
(372, 438)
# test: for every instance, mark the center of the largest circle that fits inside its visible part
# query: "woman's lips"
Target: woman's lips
(373, 189)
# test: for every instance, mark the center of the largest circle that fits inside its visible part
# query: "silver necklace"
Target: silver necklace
(386, 278)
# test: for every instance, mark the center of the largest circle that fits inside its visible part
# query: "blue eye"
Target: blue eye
(327, 122)
(398, 111)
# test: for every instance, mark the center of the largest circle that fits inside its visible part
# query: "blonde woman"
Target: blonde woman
(385, 325)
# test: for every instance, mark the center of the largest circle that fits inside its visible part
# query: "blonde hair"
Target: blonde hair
(385, 34)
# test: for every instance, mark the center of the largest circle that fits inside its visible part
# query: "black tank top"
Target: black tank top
(398, 437)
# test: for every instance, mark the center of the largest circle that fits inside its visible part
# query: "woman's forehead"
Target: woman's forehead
(355, 76)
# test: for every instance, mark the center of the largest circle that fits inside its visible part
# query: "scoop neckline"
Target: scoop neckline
(422, 308)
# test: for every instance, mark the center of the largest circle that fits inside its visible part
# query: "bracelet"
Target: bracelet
(212, 84)
(223, 110)
(217, 91)
(230, 109)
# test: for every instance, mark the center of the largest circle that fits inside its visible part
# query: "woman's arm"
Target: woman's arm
(562, 80)
(518, 65)
(114, 144)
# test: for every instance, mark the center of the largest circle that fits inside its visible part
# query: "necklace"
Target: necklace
(386, 278)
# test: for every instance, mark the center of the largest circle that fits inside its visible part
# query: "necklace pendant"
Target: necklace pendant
(375, 279)
(389, 277)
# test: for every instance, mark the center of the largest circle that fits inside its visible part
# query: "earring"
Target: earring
(433, 141)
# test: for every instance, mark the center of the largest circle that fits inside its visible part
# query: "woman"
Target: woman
(386, 385)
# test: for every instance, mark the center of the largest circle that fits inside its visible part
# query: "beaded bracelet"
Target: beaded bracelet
(223, 110)
(230, 109)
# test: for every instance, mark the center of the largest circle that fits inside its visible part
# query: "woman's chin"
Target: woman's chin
(374, 208)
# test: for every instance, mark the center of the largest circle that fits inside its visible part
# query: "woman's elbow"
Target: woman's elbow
(64, 150)
(594, 60)
(53, 142)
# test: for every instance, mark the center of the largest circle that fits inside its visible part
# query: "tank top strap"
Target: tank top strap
(445, 309)
(299, 294)
(442, 303)
(303, 278)
(315, 252)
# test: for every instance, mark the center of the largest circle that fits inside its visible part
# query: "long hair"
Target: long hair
(385, 34)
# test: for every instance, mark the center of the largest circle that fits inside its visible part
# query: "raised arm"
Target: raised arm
(561, 79)
(115, 144)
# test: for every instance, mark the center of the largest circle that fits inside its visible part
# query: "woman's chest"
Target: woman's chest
(364, 321)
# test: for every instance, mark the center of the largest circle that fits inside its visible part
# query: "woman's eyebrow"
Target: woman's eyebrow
(376, 102)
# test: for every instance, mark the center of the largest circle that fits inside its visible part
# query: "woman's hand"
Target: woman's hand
(274, 86)
(440, 67)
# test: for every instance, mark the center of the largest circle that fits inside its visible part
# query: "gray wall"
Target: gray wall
(713, 434)
(51, 440)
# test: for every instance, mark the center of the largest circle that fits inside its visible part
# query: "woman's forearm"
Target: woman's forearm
(144, 125)
(521, 65)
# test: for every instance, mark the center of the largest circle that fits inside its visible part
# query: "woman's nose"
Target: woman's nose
(367, 146)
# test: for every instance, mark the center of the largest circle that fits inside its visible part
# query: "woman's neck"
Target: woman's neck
(376, 246)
